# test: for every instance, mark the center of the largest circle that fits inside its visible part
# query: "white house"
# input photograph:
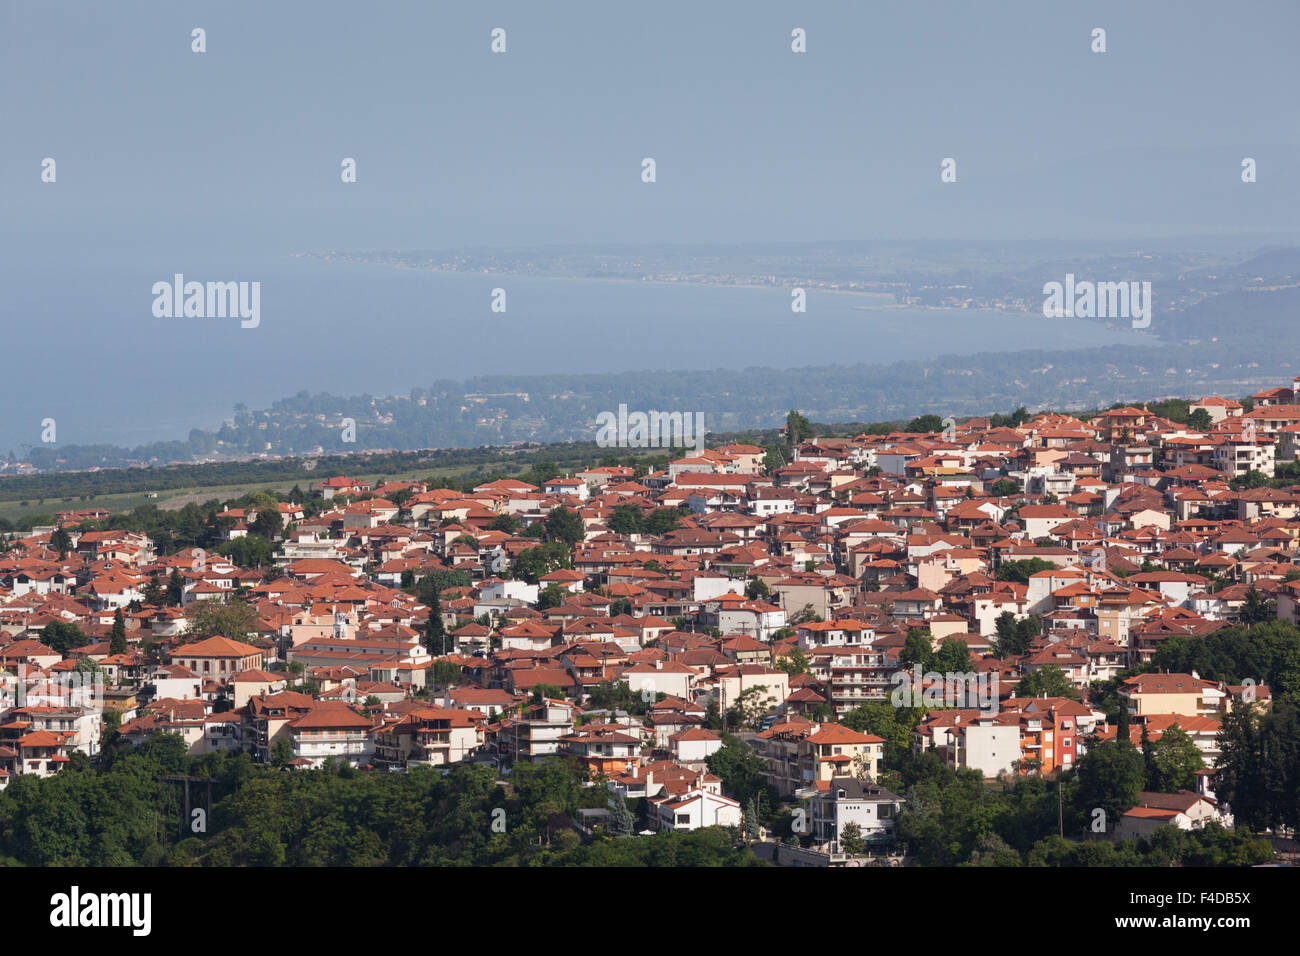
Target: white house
(496, 589)
(697, 808)
(694, 746)
(175, 681)
(675, 680)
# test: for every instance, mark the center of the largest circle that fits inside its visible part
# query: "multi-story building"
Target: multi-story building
(849, 800)
(80, 727)
(804, 756)
(39, 752)
(972, 740)
(1184, 694)
(429, 736)
(603, 750)
(332, 730)
(858, 676)
(537, 733)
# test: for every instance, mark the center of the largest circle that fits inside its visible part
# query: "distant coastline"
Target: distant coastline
(887, 299)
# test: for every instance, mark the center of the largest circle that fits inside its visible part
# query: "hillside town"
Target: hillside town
(1009, 591)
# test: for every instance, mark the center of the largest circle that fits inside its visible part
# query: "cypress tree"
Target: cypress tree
(117, 640)
(435, 634)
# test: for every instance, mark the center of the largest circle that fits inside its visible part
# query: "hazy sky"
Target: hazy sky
(241, 145)
(221, 164)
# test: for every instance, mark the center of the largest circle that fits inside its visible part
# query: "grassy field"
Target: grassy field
(20, 502)
(175, 498)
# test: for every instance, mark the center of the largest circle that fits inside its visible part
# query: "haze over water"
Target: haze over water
(351, 329)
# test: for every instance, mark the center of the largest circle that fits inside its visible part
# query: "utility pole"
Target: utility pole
(187, 780)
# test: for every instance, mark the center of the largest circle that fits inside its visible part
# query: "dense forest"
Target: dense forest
(126, 814)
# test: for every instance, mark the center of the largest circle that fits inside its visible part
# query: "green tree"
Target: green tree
(925, 423)
(1264, 653)
(117, 637)
(550, 596)
(1019, 571)
(1256, 609)
(62, 636)
(248, 551)
(435, 582)
(445, 674)
(1250, 480)
(807, 615)
(893, 724)
(281, 753)
(751, 819)
(794, 663)
(152, 593)
(543, 691)
(750, 704)
(992, 850)
(1014, 420)
(1258, 770)
(110, 730)
(621, 823)
(797, 430)
(773, 459)
(851, 840)
(268, 524)
(918, 649)
(625, 519)
(227, 616)
(1111, 775)
(61, 541)
(1046, 681)
(663, 520)
(740, 768)
(1175, 760)
(175, 588)
(953, 656)
(504, 522)
(435, 630)
(533, 563)
(564, 525)
(1014, 636)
